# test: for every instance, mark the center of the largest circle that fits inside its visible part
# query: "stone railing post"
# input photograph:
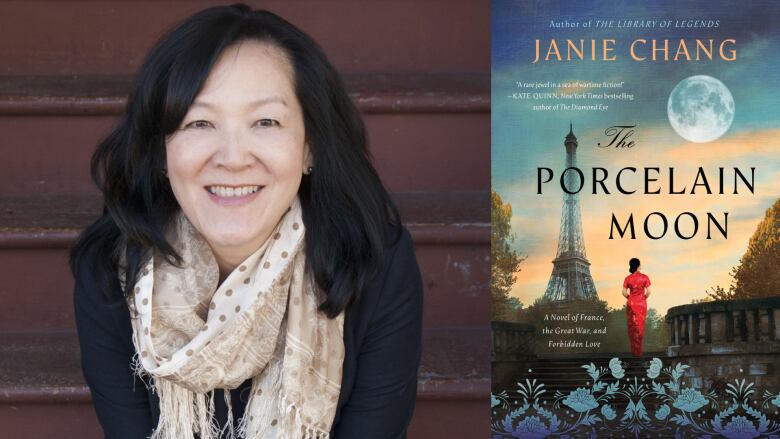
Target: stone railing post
(511, 341)
(726, 340)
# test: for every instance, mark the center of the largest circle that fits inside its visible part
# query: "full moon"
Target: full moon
(700, 108)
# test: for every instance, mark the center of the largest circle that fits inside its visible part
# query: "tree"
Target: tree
(504, 261)
(515, 303)
(757, 274)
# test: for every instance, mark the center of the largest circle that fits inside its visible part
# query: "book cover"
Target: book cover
(636, 219)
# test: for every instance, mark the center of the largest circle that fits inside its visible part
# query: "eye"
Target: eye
(198, 124)
(268, 123)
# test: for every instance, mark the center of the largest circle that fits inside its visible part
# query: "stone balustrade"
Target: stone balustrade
(723, 321)
(727, 339)
(512, 347)
(512, 341)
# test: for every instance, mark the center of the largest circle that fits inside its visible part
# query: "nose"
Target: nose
(233, 152)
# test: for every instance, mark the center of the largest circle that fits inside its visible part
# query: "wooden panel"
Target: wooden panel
(41, 379)
(431, 420)
(50, 155)
(450, 230)
(407, 92)
(56, 37)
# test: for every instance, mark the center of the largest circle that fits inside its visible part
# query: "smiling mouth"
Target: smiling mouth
(233, 191)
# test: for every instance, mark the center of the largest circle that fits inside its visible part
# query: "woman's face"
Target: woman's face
(236, 161)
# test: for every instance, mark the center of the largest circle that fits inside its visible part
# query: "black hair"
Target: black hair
(349, 216)
(633, 264)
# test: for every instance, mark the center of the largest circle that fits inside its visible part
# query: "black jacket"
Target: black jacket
(382, 339)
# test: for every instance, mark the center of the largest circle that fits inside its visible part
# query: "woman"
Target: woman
(250, 276)
(636, 288)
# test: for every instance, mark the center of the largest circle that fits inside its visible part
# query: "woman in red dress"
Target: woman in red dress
(636, 288)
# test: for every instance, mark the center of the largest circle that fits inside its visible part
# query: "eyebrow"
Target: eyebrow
(250, 104)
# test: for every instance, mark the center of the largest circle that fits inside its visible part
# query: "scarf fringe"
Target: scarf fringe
(191, 412)
(291, 422)
(187, 412)
(208, 427)
(243, 423)
(291, 418)
(229, 423)
(140, 372)
(177, 412)
(309, 432)
(183, 413)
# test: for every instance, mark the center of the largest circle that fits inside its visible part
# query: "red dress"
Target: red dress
(636, 310)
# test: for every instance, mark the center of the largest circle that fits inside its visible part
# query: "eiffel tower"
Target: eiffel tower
(570, 278)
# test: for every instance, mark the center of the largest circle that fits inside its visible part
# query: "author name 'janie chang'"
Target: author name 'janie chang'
(639, 49)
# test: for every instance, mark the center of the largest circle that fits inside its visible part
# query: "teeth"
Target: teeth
(224, 191)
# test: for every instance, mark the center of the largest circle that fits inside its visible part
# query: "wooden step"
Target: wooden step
(44, 366)
(41, 366)
(40, 374)
(54, 220)
(427, 131)
(113, 36)
(455, 363)
(373, 93)
(450, 230)
(567, 374)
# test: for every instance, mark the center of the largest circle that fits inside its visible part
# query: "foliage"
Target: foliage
(756, 275)
(515, 303)
(656, 331)
(505, 261)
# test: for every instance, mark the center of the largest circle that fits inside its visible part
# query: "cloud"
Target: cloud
(743, 148)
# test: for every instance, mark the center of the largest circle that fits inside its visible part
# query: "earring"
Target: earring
(308, 170)
(165, 172)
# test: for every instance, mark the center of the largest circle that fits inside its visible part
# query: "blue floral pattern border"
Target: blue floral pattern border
(680, 411)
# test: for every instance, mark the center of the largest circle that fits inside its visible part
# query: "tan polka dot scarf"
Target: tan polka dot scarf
(192, 337)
